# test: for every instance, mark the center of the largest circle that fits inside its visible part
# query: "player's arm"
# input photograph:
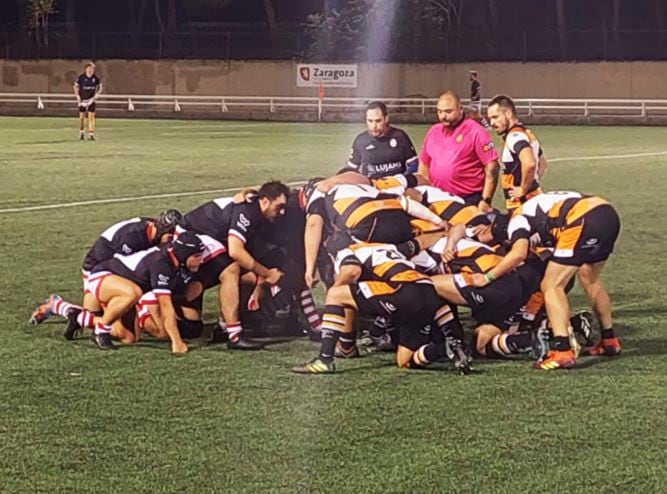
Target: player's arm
(98, 91)
(312, 242)
(168, 314)
(240, 254)
(418, 210)
(542, 166)
(76, 91)
(348, 274)
(491, 174)
(350, 177)
(528, 167)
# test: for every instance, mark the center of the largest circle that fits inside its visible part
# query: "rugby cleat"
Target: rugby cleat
(557, 360)
(219, 336)
(315, 366)
(381, 344)
(82, 137)
(352, 352)
(244, 344)
(103, 341)
(73, 326)
(91, 137)
(607, 347)
(456, 352)
(540, 342)
(45, 310)
(582, 326)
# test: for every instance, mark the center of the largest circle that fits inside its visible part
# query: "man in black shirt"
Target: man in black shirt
(475, 92)
(87, 88)
(229, 230)
(382, 150)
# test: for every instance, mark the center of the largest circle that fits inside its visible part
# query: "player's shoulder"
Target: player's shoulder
(399, 134)
(362, 139)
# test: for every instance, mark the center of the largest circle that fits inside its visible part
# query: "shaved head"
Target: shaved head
(449, 109)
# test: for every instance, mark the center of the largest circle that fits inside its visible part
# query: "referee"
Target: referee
(87, 88)
(382, 150)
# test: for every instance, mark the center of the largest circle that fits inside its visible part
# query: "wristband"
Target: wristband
(489, 277)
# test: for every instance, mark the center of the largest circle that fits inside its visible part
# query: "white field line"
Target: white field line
(130, 199)
(114, 200)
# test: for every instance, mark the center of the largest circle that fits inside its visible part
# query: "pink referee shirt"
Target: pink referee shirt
(456, 157)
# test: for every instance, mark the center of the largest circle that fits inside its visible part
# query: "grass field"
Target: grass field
(74, 419)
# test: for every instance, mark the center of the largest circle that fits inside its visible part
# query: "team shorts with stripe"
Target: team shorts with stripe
(589, 239)
(387, 227)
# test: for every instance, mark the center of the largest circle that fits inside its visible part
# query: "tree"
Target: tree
(39, 12)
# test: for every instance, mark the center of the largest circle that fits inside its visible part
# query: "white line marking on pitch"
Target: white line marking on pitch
(607, 157)
(130, 199)
(232, 189)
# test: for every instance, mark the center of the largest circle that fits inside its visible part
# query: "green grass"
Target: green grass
(73, 419)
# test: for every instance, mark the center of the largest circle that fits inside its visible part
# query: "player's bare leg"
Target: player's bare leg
(446, 288)
(598, 298)
(336, 322)
(119, 295)
(556, 278)
(82, 125)
(230, 280)
(91, 125)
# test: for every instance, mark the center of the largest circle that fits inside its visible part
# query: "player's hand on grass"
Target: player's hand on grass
(274, 276)
(179, 347)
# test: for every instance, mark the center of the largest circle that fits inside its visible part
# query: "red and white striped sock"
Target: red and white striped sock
(308, 307)
(102, 328)
(86, 319)
(234, 330)
(62, 307)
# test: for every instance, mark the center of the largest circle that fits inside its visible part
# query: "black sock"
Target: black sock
(560, 343)
(608, 334)
(519, 342)
(328, 341)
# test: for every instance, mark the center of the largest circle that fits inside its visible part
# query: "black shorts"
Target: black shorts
(386, 227)
(209, 272)
(410, 306)
(495, 302)
(588, 240)
(87, 109)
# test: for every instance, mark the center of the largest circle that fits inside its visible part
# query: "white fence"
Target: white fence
(318, 108)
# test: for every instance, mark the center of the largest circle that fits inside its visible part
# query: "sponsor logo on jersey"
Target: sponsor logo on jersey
(487, 147)
(591, 242)
(126, 249)
(459, 138)
(162, 279)
(478, 298)
(393, 143)
(243, 221)
(388, 306)
(370, 147)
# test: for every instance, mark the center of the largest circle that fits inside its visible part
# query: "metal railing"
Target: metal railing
(317, 108)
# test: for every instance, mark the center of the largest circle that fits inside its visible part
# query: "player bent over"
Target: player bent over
(382, 282)
(87, 88)
(582, 231)
(122, 238)
(118, 284)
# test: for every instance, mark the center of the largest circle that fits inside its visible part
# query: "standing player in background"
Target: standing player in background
(522, 160)
(475, 92)
(87, 88)
(382, 150)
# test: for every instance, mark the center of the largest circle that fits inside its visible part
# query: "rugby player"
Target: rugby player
(87, 88)
(522, 161)
(581, 231)
(117, 285)
(123, 238)
(382, 150)
(378, 280)
(229, 231)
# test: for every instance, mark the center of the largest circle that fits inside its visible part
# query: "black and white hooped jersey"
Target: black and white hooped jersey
(124, 237)
(151, 269)
(220, 218)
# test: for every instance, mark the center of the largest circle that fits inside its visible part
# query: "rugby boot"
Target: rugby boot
(342, 352)
(607, 347)
(45, 310)
(557, 360)
(457, 353)
(315, 366)
(103, 341)
(244, 344)
(582, 325)
(73, 327)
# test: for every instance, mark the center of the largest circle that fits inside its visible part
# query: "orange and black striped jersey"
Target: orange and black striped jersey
(380, 262)
(545, 218)
(450, 208)
(346, 206)
(517, 139)
(395, 184)
(471, 257)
